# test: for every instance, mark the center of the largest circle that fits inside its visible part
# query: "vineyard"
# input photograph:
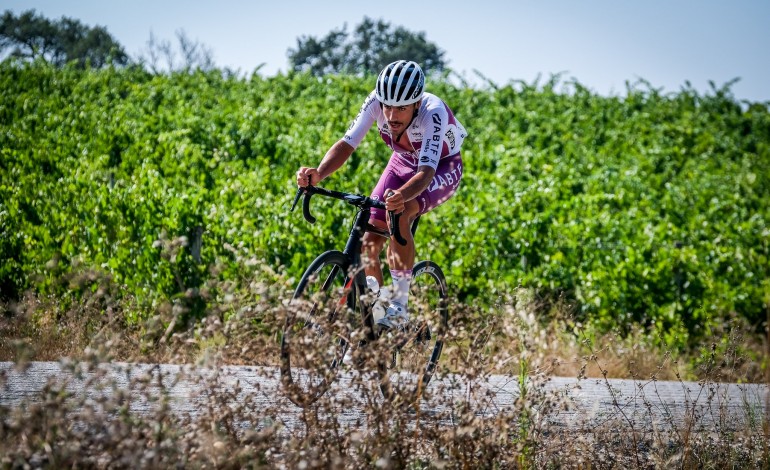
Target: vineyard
(646, 209)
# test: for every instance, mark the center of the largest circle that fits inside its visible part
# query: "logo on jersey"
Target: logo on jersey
(448, 178)
(451, 138)
(367, 104)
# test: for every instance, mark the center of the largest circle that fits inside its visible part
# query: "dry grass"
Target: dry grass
(236, 430)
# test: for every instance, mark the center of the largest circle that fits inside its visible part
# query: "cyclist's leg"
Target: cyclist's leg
(393, 176)
(372, 247)
(401, 257)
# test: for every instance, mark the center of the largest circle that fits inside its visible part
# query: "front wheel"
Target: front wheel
(317, 328)
(416, 352)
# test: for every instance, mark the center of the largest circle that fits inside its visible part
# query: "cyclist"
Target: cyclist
(423, 172)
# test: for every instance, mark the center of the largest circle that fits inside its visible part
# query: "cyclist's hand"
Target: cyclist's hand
(308, 176)
(394, 201)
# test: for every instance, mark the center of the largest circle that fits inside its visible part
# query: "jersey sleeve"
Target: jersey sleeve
(363, 122)
(434, 128)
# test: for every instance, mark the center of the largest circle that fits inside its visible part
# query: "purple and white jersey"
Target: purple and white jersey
(434, 134)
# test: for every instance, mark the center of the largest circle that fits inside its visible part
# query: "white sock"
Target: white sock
(400, 290)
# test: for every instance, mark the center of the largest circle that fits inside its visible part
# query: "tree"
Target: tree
(372, 46)
(161, 55)
(30, 36)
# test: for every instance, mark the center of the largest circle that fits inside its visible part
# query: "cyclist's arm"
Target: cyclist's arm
(334, 158)
(331, 162)
(411, 189)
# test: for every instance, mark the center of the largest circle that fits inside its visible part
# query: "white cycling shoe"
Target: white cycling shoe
(396, 317)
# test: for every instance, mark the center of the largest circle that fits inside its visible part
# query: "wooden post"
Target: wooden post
(197, 242)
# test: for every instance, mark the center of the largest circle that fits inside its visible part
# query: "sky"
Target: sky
(602, 44)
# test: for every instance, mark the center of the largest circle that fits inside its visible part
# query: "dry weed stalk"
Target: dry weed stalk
(121, 420)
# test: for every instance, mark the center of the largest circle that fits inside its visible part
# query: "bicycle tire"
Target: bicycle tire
(315, 335)
(415, 353)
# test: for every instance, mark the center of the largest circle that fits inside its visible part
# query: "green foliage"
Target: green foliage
(372, 46)
(644, 209)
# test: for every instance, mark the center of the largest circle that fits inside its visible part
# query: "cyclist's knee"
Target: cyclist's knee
(373, 242)
(411, 209)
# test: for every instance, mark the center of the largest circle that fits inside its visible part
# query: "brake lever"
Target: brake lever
(305, 203)
(306, 208)
(296, 199)
(394, 230)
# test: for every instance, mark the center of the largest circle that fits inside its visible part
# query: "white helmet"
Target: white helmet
(400, 83)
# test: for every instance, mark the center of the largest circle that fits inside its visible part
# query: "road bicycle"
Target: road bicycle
(330, 323)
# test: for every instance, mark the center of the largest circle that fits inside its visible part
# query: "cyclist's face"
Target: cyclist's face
(398, 117)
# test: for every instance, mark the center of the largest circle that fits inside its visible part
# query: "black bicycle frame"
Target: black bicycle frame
(354, 244)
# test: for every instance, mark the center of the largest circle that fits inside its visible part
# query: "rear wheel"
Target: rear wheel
(415, 353)
(317, 329)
